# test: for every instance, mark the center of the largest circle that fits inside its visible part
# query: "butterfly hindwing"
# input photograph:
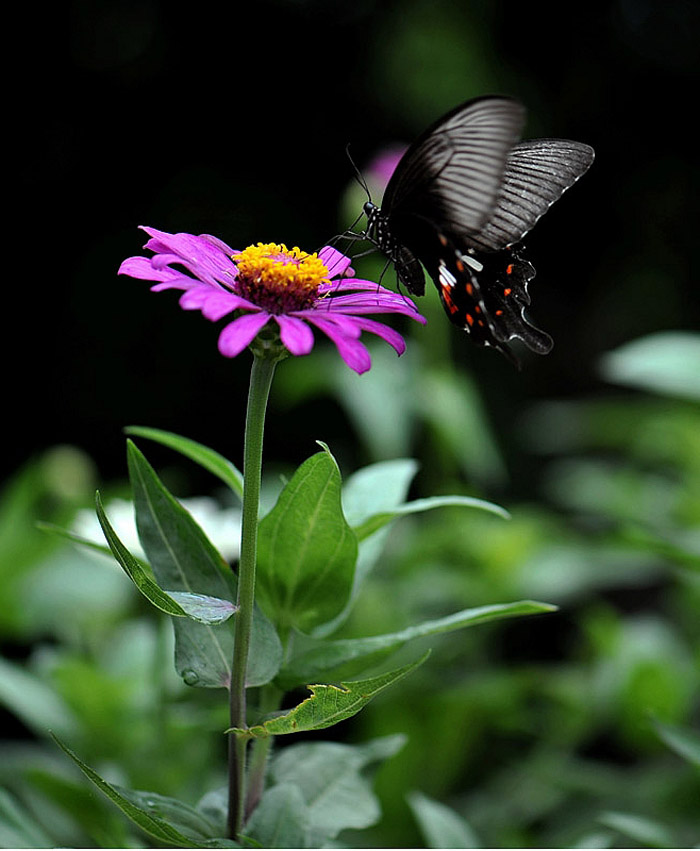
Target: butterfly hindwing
(486, 295)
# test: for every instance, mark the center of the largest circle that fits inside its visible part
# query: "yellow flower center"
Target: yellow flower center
(277, 278)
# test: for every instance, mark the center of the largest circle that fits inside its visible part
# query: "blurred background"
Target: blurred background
(234, 120)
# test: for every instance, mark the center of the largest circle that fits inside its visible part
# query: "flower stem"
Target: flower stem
(260, 381)
(269, 701)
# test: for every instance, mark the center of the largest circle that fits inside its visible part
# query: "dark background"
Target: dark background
(233, 119)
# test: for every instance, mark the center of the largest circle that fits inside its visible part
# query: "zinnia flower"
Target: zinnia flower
(271, 283)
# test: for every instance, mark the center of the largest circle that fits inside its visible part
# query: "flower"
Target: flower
(269, 283)
(384, 163)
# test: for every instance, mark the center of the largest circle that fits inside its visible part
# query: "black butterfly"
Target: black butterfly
(461, 198)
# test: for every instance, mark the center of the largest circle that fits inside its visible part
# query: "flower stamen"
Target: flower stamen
(279, 279)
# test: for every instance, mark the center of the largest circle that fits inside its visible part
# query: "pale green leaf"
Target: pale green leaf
(281, 819)
(640, 829)
(667, 362)
(331, 778)
(441, 827)
(685, 742)
(382, 518)
(18, 828)
(33, 701)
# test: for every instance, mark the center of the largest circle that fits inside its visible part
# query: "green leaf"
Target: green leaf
(199, 607)
(330, 776)
(34, 702)
(202, 455)
(180, 554)
(328, 705)
(378, 487)
(441, 827)
(381, 519)
(18, 828)
(281, 819)
(96, 818)
(153, 825)
(640, 829)
(306, 549)
(177, 814)
(183, 559)
(667, 362)
(686, 743)
(356, 654)
(132, 567)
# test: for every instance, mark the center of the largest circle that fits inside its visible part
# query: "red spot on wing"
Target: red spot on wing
(447, 300)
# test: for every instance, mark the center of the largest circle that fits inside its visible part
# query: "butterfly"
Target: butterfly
(460, 201)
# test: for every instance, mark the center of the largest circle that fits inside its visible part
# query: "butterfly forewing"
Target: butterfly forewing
(537, 173)
(453, 172)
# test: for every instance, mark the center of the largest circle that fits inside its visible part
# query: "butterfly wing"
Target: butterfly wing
(537, 173)
(486, 294)
(452, 173)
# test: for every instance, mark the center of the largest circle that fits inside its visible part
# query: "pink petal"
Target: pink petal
(214, 302)
(241, 332)
(197, 254)
(295, 335)
(141, 267)
(393, 338)
(348, 284)
(335, 261)
(219, 243)
(351, 350)
(346, 325)
(360, 303)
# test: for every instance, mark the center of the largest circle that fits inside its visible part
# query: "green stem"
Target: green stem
(260, 381)
(270, 698)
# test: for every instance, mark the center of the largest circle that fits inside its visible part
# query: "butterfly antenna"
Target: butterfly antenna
(358, 174)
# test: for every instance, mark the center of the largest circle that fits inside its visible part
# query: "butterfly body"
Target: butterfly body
(460, 201)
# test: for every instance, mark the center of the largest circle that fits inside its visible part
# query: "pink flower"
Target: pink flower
(269, 283)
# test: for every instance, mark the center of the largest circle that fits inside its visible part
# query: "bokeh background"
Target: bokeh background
(233, 119)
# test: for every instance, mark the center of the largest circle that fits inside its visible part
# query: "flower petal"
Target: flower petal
(141, 267)
(346, 324)
(295, 334)
(241, 332)
(347, 284)
(213, 302)
(219, 243)
(351, 350)
(335, 261)
(360, 303)
(393, 338)
(197, 254)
